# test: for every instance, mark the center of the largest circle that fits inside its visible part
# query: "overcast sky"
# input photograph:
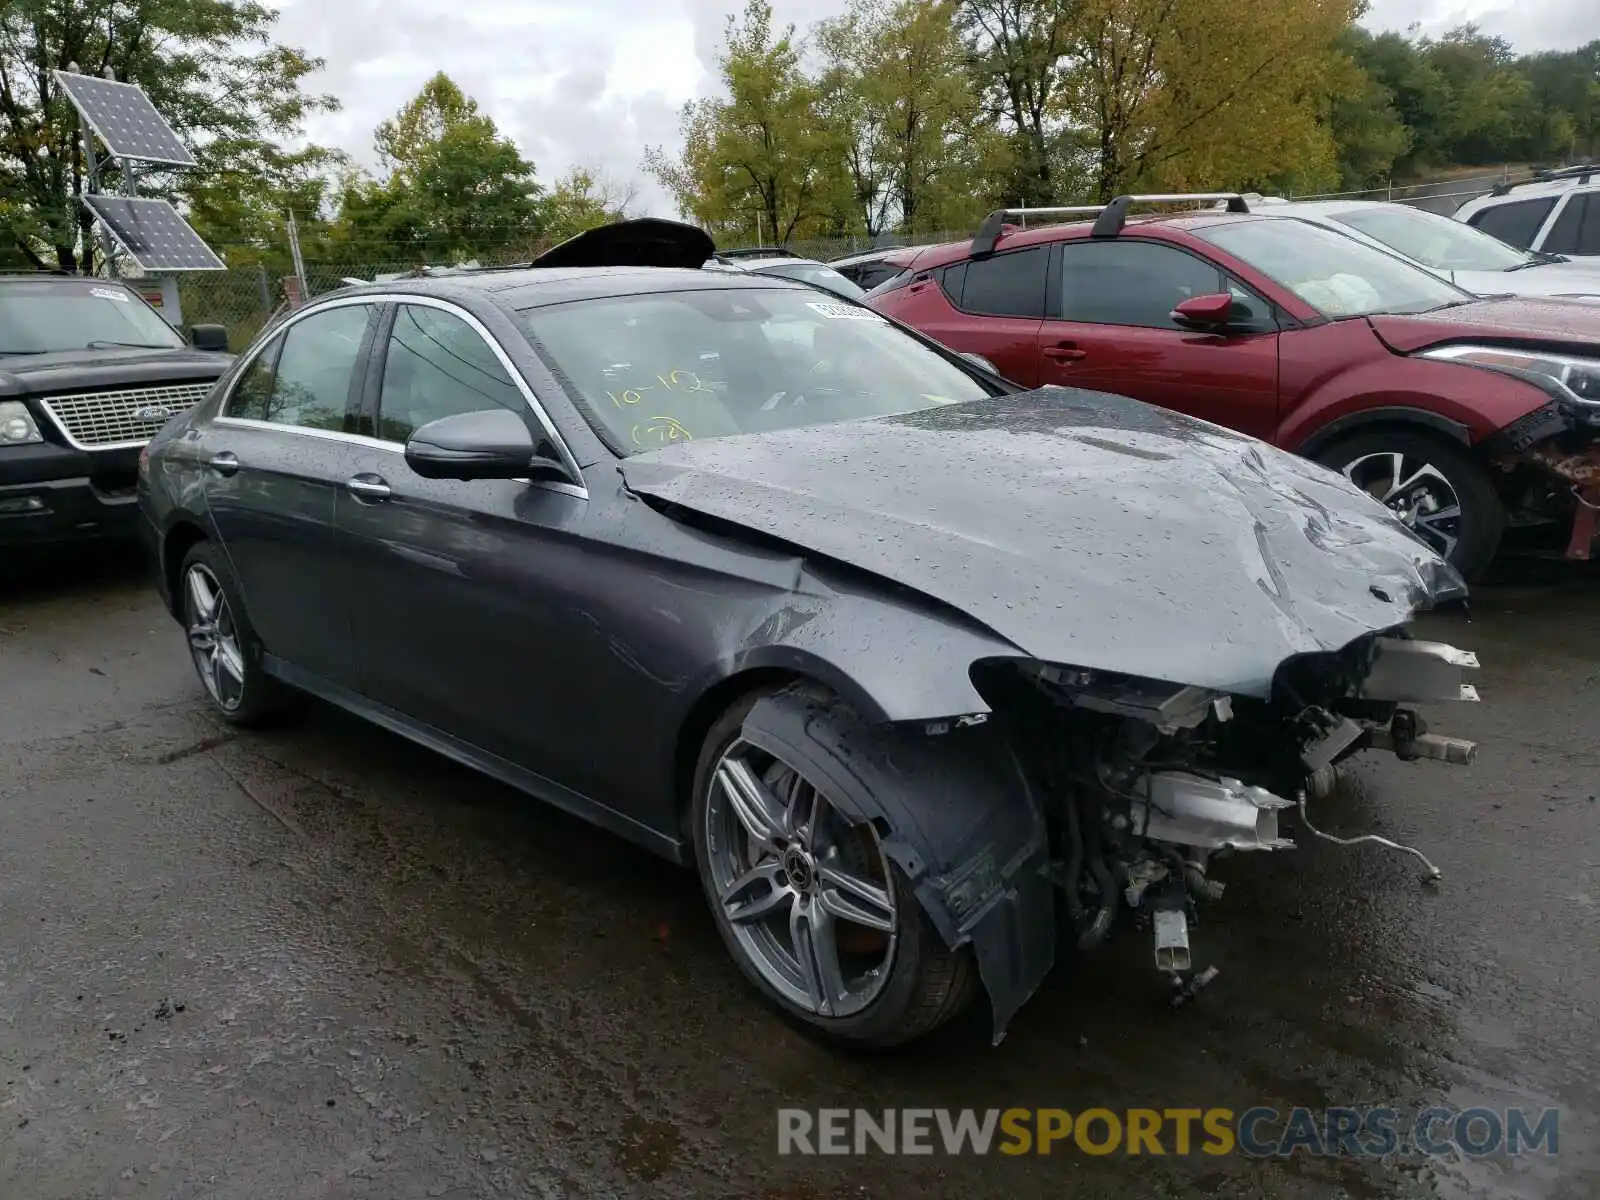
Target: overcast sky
(592, 82)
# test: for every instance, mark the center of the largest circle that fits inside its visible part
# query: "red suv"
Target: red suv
(1467, 416)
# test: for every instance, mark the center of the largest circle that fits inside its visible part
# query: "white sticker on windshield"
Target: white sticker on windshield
(842, 312)
(109, 294)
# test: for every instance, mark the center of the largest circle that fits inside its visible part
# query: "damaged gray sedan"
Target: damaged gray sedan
(930, 679)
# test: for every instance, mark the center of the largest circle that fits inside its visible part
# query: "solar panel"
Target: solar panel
(154, 233)
(124, 119)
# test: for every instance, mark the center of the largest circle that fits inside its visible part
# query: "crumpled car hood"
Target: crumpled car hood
(1084, 528)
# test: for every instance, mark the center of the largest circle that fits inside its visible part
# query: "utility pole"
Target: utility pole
(294, 253)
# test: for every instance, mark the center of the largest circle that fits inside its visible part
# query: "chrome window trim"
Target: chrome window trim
(568, 460)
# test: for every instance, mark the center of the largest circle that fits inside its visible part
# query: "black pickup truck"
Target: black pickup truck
(88, 372)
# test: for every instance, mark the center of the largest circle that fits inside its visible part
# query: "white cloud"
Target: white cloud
(1529, 25)
(592, 84)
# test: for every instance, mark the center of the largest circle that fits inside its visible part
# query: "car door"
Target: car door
(274, 457)
(460, 618)
(1111, 329)
(988, 306)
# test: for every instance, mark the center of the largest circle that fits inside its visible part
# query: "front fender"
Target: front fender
(1454, 398)
(954, 812)
(901, 659)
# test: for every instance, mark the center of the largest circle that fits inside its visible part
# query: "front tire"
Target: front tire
(816, 915)
(223, 644)
(1433, 485)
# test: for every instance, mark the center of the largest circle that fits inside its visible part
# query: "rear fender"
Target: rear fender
(954, 812)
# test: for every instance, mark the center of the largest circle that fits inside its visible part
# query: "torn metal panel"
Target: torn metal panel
(1579, 469)
(1407, 670)
(1212, 814)
(1081, 527)
(955, 814)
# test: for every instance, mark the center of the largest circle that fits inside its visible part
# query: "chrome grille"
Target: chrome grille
(104, 420)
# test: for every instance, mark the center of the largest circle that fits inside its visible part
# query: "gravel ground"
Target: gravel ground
(322, 962)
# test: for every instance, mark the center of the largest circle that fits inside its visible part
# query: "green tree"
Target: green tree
(453, 187)
(209, 66)
(916, 138)
(1202, 93)
(1564, 90)
(239, 206)
(582, 200)
(760, 158)
(1017, 53)
(1369, 135)
(1487, 115)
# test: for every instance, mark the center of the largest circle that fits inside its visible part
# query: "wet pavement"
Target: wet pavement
(322, 962)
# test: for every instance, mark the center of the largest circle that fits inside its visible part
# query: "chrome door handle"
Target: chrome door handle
(224, 463)
(368, 487)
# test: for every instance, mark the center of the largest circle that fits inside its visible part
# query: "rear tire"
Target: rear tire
(896, 978)
(223, 644)
(1424, 477)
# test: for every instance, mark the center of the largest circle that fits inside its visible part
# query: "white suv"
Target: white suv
(1559, 213)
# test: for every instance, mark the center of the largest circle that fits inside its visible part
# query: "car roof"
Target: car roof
(61, 277)
(1534, 189)
(755, 264)
(1016, 239)
(535, 287)
(867, 256)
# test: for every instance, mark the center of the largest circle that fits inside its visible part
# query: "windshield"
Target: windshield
(1335, 274)
(38, 318)
(1432, 240)
(676, 366)
(816, 274)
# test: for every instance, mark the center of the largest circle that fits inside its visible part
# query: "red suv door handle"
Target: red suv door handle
(1064, 352)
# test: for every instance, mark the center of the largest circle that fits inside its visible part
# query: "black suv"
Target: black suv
(88, 372)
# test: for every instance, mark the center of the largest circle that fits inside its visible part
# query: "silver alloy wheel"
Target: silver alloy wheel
(808, 896)
(213, 638)
(1418, 492)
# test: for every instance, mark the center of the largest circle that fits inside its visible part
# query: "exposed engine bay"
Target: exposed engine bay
(1146, 785)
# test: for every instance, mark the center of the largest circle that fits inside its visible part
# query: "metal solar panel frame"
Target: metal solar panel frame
(89, 202)
(65, 80)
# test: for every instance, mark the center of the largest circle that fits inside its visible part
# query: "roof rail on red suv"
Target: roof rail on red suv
(1109, 218)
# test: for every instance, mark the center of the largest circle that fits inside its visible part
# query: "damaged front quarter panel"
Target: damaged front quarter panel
(954, 813)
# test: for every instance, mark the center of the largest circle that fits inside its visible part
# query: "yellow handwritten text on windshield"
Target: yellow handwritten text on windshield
(670, 381)
(659, 431)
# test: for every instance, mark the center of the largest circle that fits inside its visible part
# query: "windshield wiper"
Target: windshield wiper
(104, 343)
(10, 352)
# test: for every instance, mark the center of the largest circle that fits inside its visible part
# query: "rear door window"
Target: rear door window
(1516, 223)
(309, 384)
(1007, 285)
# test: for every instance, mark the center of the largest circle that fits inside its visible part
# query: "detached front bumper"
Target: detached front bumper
(49, 494)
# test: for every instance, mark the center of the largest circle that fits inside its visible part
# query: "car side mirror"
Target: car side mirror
(1208, 314)
(493, 444)
(208, 337)
(982, 363)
